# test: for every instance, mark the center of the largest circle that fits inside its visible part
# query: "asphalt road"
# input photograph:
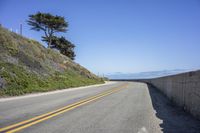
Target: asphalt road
(119, 107)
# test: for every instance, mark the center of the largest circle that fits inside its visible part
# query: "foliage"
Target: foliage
(48, 23)
(63, 45)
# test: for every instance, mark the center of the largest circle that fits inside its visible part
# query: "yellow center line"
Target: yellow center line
(27, 123)
(40, 116)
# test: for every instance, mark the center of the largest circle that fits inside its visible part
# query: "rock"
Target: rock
(2, 83)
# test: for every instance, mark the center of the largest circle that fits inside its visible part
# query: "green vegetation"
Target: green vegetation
(26, 67)
(47, 23)
(64, 46)
(21, 82)
(51, 24)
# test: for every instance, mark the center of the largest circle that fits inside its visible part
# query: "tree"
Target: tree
(49, 24)
(63, 45)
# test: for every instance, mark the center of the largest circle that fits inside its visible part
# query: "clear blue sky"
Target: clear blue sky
(120, 35)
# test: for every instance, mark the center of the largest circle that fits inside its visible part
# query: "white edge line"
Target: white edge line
(53, 92)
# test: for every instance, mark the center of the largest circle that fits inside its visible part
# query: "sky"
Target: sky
(125, 36)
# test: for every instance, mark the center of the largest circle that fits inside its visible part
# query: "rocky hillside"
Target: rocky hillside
(26, 66)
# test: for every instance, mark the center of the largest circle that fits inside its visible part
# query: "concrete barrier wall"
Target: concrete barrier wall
(182, 89)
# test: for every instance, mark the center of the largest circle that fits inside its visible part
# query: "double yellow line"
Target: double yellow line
(27, 123)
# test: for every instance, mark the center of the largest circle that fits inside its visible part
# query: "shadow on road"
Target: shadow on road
(175, 120)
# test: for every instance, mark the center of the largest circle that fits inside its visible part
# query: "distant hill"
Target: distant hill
(26, 66)
(144, 75)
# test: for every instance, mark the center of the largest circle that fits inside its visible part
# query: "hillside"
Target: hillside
(26, 67)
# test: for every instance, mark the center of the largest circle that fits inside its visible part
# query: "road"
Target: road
(118, 107)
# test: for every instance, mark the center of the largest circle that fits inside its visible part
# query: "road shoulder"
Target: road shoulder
(54, 92)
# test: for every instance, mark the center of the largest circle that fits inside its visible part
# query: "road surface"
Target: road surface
(118, 107)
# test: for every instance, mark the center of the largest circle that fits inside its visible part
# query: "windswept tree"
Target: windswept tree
(48, 23)
(63, 45)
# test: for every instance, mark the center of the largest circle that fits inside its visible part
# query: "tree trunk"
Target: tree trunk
(50, 40)
(49, 43)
